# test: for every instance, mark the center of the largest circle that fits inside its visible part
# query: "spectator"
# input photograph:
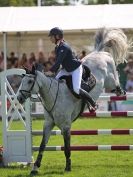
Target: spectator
(82, 55)
(1, 63)
(129, 68)
(122, 75)
(9, 64)
(129, 85)
(31, 60)
(51, 57)
(129, 71)
(13, 60)
(40, 61)
(47, 66)
(23, 63)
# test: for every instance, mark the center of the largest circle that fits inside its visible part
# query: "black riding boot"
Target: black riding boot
(87, 97)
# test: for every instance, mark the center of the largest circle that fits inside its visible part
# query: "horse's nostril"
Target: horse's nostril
(19, 99)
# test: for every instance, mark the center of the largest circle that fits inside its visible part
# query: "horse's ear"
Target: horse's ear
(27, 70)
(33, 70)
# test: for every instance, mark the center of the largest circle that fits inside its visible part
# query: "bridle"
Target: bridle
(49, 111)
(30, 89)
(29, 94)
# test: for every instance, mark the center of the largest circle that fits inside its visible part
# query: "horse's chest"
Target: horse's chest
(61, 119)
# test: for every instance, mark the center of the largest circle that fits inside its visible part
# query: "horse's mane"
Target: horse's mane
(113, 41)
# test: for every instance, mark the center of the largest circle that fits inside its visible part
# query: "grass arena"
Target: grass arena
(93, 163)
(87, 163)
(88, 135)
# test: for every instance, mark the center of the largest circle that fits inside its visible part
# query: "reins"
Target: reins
(49, 111)
(29, 92)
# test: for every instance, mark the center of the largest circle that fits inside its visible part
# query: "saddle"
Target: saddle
(88, 81)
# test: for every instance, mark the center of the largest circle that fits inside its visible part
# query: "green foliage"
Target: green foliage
(49, 2)
(107, 1)
(54, 2)
(84, 164)
(115, 1)
(57, 2)
(4, 3)
(66, 2)
(122, 1)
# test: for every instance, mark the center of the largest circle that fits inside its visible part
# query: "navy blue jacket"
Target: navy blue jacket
(65, 57)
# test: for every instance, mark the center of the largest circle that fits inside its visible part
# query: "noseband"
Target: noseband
(28, 91)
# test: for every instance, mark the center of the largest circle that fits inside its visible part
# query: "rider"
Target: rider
(70, 65)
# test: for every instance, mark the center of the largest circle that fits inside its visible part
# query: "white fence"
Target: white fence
(17, 144)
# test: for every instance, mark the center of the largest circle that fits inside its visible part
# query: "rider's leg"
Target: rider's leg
(62, 72)
(88, 98)
(76, 78)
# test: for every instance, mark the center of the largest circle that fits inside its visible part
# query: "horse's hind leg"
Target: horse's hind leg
(67, 137)
(46, 134)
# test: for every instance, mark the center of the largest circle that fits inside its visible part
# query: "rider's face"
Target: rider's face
(52, 39)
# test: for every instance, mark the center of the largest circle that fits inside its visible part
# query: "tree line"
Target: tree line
(6, 3)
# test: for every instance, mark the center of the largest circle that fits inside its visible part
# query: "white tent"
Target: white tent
(18, 19)
(68, 17)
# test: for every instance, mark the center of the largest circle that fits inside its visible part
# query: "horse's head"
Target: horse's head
(27, 85)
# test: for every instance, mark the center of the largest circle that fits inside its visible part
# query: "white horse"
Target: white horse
(61, 107)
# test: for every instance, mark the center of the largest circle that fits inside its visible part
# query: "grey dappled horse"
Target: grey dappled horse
(61, 107)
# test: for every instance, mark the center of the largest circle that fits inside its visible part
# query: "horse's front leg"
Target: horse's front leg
(67, 136)
(46, 134)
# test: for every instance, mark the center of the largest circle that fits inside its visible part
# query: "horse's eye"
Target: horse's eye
(23, 75)
(30, 81)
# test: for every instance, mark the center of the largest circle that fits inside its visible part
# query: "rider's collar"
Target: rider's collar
(59, 42)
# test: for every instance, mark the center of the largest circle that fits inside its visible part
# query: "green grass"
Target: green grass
(84, 164)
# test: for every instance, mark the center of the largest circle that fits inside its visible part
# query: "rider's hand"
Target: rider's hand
(49, 73)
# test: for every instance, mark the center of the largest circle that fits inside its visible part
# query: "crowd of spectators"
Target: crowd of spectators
(44, 63)
(41, 62)
(126, 74)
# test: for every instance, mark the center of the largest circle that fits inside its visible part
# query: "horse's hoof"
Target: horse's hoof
(67, 169)
(33, 172)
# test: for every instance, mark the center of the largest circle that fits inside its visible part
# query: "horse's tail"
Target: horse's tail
(113, 41)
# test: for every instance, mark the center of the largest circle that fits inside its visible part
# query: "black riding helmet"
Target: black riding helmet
(56, 31)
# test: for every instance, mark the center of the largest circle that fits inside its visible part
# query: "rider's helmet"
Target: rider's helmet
(56, 31)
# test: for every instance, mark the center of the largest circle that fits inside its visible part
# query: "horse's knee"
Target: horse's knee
(66, 135)
(66, 131)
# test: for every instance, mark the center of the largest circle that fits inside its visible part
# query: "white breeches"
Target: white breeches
(76, 77)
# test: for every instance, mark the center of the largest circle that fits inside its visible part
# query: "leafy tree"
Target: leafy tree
(115, 1)
(66, 2)
(57, 2)
(50, 2)
(16, 3)
(4, 3)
